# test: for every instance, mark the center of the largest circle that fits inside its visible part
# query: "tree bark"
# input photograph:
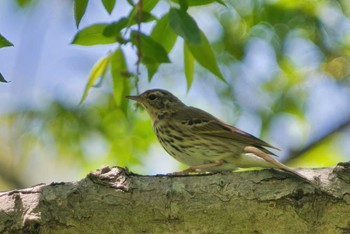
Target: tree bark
(113, 200)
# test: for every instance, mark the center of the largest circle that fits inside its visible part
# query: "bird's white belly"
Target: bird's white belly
(196, 151)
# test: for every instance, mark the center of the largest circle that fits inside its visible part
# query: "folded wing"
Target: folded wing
(203, 123)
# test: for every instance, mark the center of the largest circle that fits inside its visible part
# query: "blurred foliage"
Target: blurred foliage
(282, 25)
(152, 49)
(24, 3)
(92, 135)
(320, 155)
(299, 40)
(278, 23)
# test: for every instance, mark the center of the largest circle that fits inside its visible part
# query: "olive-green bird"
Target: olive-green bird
(200, 140)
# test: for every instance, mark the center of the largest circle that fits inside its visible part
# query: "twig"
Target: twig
(139, 51)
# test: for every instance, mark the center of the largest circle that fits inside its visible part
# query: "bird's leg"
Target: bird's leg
(198, 168)
(268, 158)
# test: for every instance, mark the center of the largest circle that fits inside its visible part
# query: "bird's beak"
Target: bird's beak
(135, 98)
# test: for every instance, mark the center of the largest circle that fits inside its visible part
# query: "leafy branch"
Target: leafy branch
(152, 49)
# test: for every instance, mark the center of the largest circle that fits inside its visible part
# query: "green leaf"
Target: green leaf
(189, 66)
(98, 69)
(133, 17)
(4, 42)
(114, 28)
(183, 5)
(148, 5)
(118, 65)
(145, 17)
(199, 2)
(204, 55)
(131, 3)
(165, 36)
(79, 10)
(184, 25)
(23, 3)
(151, 70)
(2, 79)
(150, 49)
(109, 5)
(120, 74)
(93, 35)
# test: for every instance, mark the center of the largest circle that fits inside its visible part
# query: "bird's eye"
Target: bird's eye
(152, 97)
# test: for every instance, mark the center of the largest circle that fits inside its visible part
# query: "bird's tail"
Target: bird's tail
(274, 162)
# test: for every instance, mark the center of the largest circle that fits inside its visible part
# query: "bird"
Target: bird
(201, 141)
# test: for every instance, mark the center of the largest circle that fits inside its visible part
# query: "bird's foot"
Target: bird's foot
(199, 169)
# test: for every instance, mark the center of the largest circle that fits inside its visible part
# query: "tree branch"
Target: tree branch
(113, 200)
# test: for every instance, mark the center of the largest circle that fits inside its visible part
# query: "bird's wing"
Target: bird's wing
(203, 123)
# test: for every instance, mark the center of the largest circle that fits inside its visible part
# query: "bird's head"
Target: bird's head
(158, 102)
